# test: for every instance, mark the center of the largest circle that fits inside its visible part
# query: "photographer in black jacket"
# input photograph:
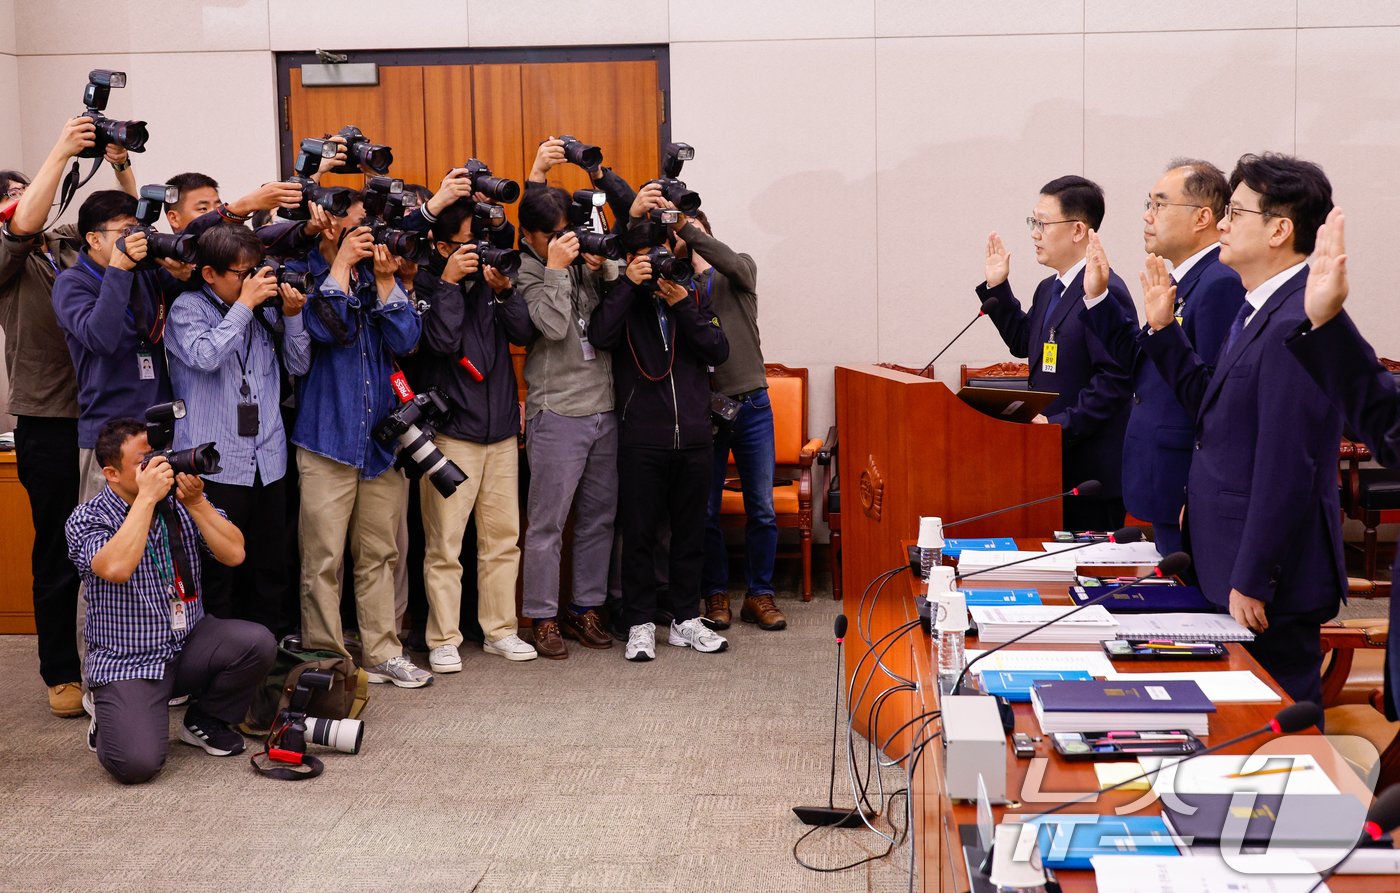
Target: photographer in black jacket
(664, 339)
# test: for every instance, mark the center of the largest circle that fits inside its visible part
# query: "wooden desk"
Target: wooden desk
(937, 848)
(16, 544)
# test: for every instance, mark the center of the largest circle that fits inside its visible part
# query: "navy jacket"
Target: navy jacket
(1346, 368)
(1157, 446)
(1262, 509)
(1093, 385)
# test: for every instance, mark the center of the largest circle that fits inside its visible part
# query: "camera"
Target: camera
(675, 191)
(130, 135)
(160, 432)
(359, 151)
(417, 451)
(484, 220)
(158, 244)
(293, 728)
(301, 280)
(498, 189)
(383, 200)
(334, 199)
(665, 265)
(581, 208)
(585, 156)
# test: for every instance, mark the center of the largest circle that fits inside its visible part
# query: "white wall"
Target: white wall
(859, 149)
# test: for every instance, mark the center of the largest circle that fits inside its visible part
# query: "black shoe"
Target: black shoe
(214, 735)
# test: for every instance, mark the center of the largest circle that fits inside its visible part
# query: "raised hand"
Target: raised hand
(551, 153)
(462, 263)
(1095, 268)
(258, 288)
(1158, 293)
(1327, 277)
(562, 251)
(998, 261)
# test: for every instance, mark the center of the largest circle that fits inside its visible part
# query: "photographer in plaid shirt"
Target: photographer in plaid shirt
(148, 639)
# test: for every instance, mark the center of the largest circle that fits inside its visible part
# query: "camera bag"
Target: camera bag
(345, 699)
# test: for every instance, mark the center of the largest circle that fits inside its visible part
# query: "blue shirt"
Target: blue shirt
(113, 322)
(346, 392)
(214, 349)
(128, 625)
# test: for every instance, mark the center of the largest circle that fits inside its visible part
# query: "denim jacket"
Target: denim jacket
(346, 392)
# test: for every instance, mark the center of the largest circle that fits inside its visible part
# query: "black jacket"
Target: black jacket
(467, 320)
(662, 380)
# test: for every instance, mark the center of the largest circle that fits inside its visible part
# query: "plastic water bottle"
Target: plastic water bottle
(949, 634)
(930, 545)
(929, 558)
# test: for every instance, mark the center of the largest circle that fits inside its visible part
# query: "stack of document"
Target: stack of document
(1002, 624)
(1221, 686)
(1182, 628)
(1244, 873)
(1095, 663)
(1047, 567)
(1137, 707)
(1140, 552)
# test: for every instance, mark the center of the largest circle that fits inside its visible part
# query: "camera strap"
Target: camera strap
(286, 765)
(180, 558)
(71, 185)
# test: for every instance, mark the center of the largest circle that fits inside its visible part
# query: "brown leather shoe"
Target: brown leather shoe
(761, 610)
(548, 642)
(66, 699)
(587, 628)
(717, 614)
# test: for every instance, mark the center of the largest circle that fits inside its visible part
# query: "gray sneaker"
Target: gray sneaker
(641, 642)
(695, 634)
(402, 672)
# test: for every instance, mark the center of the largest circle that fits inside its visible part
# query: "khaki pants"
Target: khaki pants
(335, 500)
(492, 490)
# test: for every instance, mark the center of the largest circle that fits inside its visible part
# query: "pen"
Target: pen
(1268, 772)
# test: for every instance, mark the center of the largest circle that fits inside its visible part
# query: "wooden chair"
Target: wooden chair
(792, 485)
(1014, 376)
(1359, 727)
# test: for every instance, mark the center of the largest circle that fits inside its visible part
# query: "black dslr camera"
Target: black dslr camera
(301, 280)
(383, 200)
(158, 244)
(675, 157)
(484, 220)
(498, 189)
(417, 452)
(160, 433)
(292, 729)
(581, 208)
(334, 199)
(359, 151)
(585, 156)
(130, 135)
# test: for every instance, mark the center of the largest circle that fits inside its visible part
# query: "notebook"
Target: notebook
(1183, 628)
(1221, 686)
(1261, 820)
(1070, 841)
(957, 545)
(1078, 706)
(990, 597)
(1015, 685)
(1143, 598)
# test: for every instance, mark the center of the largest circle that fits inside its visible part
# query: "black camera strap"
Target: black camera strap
(309, 767)
(186, 584)
(71, 184)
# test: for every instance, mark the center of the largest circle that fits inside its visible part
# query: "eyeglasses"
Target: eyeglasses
(242, 274)
(124, 230)
(14, 191)
(1038, 226)
(1155, 207)
(456, 243)
(1232, 209)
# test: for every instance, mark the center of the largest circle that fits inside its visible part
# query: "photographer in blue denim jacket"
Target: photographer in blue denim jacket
(359, 318)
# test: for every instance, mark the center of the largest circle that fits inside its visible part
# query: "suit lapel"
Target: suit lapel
(1040, 306)
(1072, 297)
(1251, 333)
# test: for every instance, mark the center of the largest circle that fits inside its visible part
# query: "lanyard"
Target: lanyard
(164, 560)
(157, 330)
(220, 306)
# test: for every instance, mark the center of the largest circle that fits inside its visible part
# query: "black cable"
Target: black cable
(893, 635)
(909, 801)
(872, 720)
(860, 608)
(930, 713)
(888, 849)
(878, 592)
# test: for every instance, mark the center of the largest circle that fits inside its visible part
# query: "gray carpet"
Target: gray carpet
(585, 774)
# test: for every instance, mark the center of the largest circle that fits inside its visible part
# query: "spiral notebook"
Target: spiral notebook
(1182, 628)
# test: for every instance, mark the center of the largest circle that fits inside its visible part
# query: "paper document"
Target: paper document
(1226, 773)
(1001, 624)
(1141, 552)
(1221, 686)
(1095, 663)
(1204, 873)
(1182, 628)
(1046, 566)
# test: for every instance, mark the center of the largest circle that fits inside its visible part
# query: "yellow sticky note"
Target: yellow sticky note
(1112, 773)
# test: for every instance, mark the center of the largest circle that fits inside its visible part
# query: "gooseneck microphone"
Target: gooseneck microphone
(1088, 488)
(1174, 564)
(830, 814)
(1381, 819)
(1121, 535)
(987, 306)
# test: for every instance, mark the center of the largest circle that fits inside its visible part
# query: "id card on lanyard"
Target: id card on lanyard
(169, 573)
(1049, 353)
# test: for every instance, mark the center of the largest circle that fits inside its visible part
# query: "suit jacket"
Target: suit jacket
(1346, 368)
(1263, 513)
(1093, 385)
(1157, 445)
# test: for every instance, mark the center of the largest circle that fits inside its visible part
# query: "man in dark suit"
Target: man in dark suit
(1180, 218)
(1065, 357)
(1345, 367)
(1262, 515)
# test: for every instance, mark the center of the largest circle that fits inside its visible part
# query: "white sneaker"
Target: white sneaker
(511, 647)
(178, 701)
(445, 659)
(402, 672)
(695, 634)
(641, 642)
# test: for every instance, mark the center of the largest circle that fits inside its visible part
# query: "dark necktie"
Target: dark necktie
(1057, 291)
(1236, 329)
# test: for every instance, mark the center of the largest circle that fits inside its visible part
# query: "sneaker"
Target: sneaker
(66, 699)
(511, 647)
(92, 725)
(695, 634)
(759, 608)
(717, 614)
(178, 701)
(214, 735)
(445, 659)
(641, 642)
(402, 672)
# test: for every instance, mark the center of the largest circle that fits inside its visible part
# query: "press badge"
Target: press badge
(1049, 356)
(146, 365)
(178, 618)
(589, 354)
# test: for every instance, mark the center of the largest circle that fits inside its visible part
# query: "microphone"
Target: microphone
(1174, 564)
(1088, 488)
(1293, 718)
(830, 814)
(1121, 535)
(1383, 817)
(987, 306)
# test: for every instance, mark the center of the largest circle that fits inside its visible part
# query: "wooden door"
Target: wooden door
(391, 114)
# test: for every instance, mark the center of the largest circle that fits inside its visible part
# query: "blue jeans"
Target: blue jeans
(750, 437)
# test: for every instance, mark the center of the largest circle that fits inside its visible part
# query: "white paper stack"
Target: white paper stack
(1205, 873)
(1140, 552)
(1182, 628)
(1048, 567)
(997, 624)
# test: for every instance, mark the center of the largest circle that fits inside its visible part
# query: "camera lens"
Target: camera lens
(505, 260)
(345, 735)
(376, 158)
(584, 156)
(163, 245)
(601, 244)
(202, 459)
(682, 198)
(130, 135)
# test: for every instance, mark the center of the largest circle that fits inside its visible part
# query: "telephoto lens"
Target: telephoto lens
(172, 247)
(665, 265)
(202, 459)
(581, 154)
(602, 244)
(344, 735)
(498, 189)
(504, 259)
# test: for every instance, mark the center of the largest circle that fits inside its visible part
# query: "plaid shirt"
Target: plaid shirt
(128, 625)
